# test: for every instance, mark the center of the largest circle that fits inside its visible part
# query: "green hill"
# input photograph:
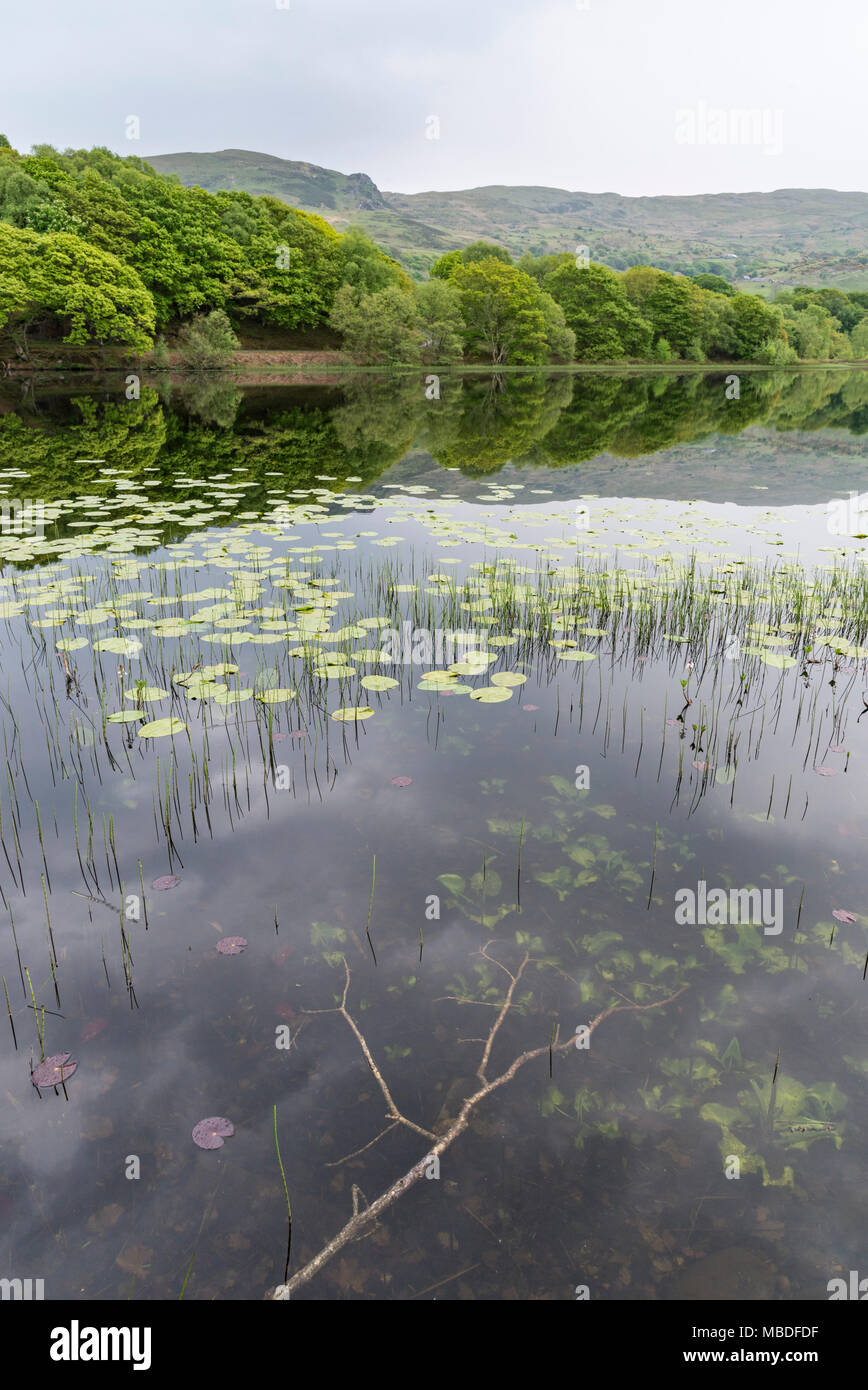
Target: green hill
(790, 236)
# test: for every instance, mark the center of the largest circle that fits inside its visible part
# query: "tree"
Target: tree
(379, 327)
(813, 332)
(445, 267)
(21, 296)
(440, 321)
(484, 251)
(859, 339)
(503, 316)
(540, 266)
(208, 342)
(671, 304)
(560, 339)
(606, 325)
(92, 295)
(96, 295)
(717, 283)
(366, 268)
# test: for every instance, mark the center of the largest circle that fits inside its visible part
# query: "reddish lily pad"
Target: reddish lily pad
(93, 1028)
(231, 945)
(530, 707)
(167, 881)
(53, 1070)
(841, 915)
(827, 771)
(298, 733)
(401, 781)
(210, 1133)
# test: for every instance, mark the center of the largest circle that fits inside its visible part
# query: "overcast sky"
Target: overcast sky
(630, 96)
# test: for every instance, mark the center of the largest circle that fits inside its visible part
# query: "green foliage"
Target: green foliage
(208, 341)
(484, 251)
(366, 268)
(774, 352)
(595, 304)
(859, 339)
(846, 309)
(193, 251)
(160, 355)
(716, 283)
(59, 278)
(439, 307)
(560, 338)
(813, 331)
(378, 327)
(445, 267)
(504, 318)
(541, 266)
(753, 323)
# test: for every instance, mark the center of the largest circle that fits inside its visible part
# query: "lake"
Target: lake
(450, 777)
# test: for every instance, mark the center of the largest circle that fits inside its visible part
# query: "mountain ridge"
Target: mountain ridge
(786, 236)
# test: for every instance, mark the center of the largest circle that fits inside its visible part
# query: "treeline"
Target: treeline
(99, 249)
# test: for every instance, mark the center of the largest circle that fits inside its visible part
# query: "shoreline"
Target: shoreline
(249, 366)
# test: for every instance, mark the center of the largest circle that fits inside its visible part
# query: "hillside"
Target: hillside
(342, 199)
(790, 236)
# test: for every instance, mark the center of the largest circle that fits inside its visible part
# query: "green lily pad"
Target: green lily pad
(490, 694)
(162, 728)
(379, 682)
(149, 693)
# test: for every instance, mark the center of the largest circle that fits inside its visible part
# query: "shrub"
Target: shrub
(208, 341)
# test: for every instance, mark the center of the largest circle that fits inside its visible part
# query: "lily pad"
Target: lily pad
(162, 728)
(379, 682)
(231, 945)
(401, 781)
(210, 1133)
(349, 714)
(149, 693)
(508, 678)
(53, 1070)
(167, 881)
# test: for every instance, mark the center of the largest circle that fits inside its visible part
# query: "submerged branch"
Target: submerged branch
(363, 1217)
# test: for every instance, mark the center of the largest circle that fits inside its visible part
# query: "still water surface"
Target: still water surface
(671, 621)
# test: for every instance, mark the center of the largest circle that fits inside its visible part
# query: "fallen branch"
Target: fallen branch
(362, 1218)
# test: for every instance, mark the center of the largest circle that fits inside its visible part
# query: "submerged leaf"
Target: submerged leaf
(231, 945)
(210, 1133)
(53, 1070)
